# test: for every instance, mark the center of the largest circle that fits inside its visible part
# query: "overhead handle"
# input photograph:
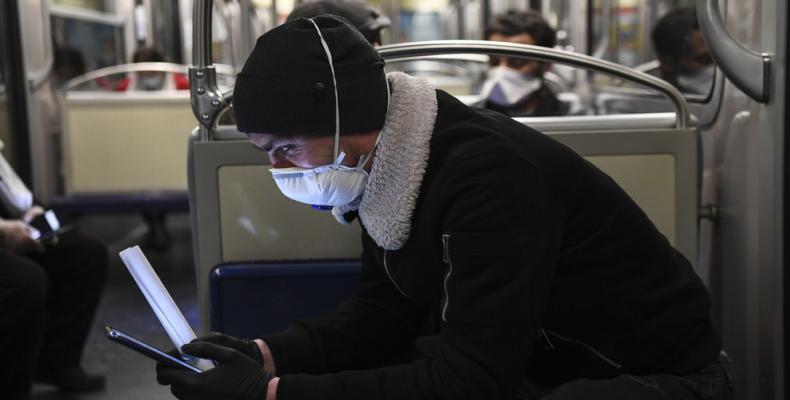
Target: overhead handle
(748, 70)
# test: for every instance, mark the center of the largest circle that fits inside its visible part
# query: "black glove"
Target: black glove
(246, 346)
(236, 376)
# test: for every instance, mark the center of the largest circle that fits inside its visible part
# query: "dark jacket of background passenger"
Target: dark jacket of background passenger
(533, 263)
(549, 105)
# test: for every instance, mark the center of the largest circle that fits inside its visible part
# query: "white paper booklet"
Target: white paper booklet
(160, 301)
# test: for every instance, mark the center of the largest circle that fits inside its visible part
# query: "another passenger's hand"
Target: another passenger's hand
(246, 346)
(33, 212)
(236, 376)
(15, 236)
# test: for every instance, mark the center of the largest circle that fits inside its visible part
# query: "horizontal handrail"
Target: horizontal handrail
(416, 50)
(138, 67)
(617, 122)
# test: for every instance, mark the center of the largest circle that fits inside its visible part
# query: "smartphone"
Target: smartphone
(147, 350)
(45, 226)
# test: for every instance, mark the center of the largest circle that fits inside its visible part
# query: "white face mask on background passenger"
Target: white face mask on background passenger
(697, 82)
(149, 83)
(507, 87)
(328, 185)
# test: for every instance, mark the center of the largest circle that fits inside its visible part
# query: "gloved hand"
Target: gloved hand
(236, 376)
(246, 346)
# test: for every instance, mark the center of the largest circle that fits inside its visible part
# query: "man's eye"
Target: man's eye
(285, 149)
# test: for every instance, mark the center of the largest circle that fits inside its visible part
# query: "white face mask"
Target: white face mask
(328, 185)
(151, 82)
(506, 87)
(697, 82)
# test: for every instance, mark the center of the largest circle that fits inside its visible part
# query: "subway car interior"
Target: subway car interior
(117, 132)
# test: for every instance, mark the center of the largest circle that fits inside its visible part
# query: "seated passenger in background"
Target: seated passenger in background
(69, 63)
(152, 80)
(684, 58)
(48, 297)
(515, 86)
(363, 16)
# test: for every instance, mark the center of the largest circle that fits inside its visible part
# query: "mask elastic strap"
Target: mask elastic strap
(364, 159)
(334, 84)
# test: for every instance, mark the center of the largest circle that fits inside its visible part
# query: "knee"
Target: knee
(85, 253)
(24, 282)
(91, 249)
(579, 389)
(96, 252)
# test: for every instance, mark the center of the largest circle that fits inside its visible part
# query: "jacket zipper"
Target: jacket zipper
(585, 345)
(449, 262)
(386, 269)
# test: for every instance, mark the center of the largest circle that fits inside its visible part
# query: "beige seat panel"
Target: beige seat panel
(124, 142)
(259, 223)
(650, 181)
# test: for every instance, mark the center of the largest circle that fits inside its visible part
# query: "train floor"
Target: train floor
(129, 375)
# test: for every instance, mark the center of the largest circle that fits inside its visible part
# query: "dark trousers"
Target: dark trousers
(715, 381)
(47, 304)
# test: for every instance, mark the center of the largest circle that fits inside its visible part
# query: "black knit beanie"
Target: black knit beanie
(286, 88)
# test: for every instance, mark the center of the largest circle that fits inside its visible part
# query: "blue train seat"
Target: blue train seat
(252, 299)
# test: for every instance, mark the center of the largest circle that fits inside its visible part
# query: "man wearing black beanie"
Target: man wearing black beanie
(539, 276)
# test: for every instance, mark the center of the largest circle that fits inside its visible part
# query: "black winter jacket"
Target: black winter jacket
(533, 264)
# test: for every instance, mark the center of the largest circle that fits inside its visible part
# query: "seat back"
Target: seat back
(240, 215)
(125, 142)
(253, 299)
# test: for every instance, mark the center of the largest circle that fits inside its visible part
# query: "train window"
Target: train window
(85, 41)
(659, 37)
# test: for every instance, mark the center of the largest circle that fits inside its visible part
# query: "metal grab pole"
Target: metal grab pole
(207, 101)
(201, 33)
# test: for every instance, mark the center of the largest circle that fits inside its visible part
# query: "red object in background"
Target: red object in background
(180, 80)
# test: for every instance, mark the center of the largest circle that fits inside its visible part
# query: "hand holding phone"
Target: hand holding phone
(44, 226)
(15, 235)
(148, 350)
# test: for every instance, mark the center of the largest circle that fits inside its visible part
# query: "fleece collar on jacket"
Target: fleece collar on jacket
(401, 158)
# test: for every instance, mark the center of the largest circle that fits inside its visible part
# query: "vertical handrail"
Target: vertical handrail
(606, 21)
(201, 33)
(247, 41)
(206, 99)
(748, 70)
(37, 78)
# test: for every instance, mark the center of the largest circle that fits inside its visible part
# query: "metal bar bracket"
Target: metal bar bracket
(207, 101)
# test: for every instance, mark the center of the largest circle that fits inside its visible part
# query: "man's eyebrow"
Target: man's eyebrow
(267, 147)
